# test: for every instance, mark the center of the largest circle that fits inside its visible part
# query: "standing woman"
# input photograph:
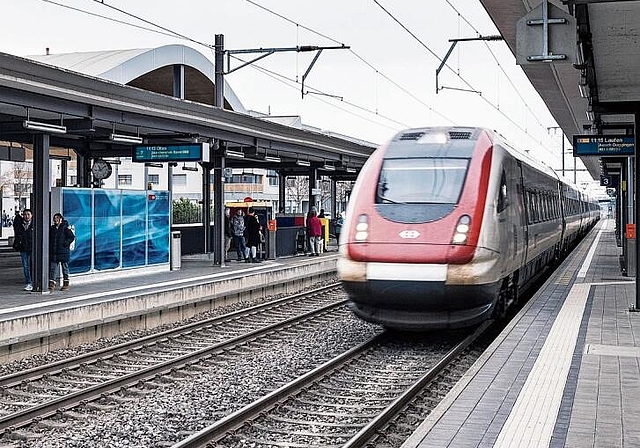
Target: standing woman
(315, 227)
(23, 243)
(60, 239)
(253, 236)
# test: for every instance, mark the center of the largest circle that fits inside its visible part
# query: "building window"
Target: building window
(125, 179)
(246, 178)
(73, 180)
(179, 179)
(154, 179)
(272, 175)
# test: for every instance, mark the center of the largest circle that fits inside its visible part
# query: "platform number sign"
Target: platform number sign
(605, 181)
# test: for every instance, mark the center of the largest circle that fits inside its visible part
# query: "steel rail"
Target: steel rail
(16, 378)
(49, 408)
(365, 434)
(221, 427)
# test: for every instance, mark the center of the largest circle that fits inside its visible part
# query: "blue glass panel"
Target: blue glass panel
(158, 236)
(134, 233)
(107, 223)
(76, 209)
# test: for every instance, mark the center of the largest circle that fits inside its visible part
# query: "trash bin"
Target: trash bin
(301, 241)
(176, 250)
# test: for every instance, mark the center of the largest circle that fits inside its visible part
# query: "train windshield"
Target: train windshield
(421, 181)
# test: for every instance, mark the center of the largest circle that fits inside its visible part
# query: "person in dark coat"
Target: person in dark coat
(253, 236)
(228, 233)
(23, 242)
(60, 239)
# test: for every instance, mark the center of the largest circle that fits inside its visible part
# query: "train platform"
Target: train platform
(106, 304)
(565, 372)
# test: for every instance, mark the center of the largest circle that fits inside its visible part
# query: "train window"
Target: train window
(503, 200)
(421, 181)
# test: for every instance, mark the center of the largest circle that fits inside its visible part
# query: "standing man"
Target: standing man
(60, 239)
(23, 243)
(237, 223)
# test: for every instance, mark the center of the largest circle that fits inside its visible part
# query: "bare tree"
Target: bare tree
(6, 180)
(297, 189)
(22, 181)
(343, 192)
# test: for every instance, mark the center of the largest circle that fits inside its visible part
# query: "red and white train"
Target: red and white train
(446, 226)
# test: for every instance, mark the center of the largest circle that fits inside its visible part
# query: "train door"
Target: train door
(523, 216)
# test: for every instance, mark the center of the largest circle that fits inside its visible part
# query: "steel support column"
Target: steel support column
(206, 205)
(82, 170)
(633, 197)
(63, 172)
(334, 202)
(313, 181)
(217, 157)
(218, 210)
(178, 92)
(40, 208)
(628, 247)
(282, 191)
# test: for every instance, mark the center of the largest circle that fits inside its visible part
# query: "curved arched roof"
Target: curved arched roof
(149, 69)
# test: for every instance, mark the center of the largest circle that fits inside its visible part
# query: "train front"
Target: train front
(411, 249)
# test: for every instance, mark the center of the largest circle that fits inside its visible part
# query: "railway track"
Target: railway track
(342, 403)
(29, 396)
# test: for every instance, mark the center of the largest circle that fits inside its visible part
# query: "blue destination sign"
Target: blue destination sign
(603, 145)
(193, 152)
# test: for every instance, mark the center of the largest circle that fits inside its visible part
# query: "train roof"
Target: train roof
(470, 133)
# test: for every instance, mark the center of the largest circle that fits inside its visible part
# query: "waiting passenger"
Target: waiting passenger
(23, 242)
(237, 223)
(60, 239)
(338, 231)
(253, 236)
(228, 233)
(315, 235)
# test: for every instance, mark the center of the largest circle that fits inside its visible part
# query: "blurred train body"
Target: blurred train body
(446, 226)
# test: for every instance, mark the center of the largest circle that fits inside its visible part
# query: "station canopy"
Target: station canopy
(597, 89)
(87, 98)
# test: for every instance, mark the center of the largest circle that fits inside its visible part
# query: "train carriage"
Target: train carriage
(446, 225)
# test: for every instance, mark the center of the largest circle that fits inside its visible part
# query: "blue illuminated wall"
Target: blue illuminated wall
(115, 229)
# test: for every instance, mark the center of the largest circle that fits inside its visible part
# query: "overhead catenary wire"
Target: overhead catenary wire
(486, 100)
(495, 58)
(511, 120)
(168, 32)
(282, 78)
(101, 16)
(148, 22)
(352, 51)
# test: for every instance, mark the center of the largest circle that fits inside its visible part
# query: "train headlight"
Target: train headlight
(462, 229)
(362, 228)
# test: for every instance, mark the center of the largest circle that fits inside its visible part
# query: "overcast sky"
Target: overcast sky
(386, 80)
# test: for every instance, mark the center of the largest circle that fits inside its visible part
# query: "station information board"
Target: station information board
(192, 152)
(603, 145)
